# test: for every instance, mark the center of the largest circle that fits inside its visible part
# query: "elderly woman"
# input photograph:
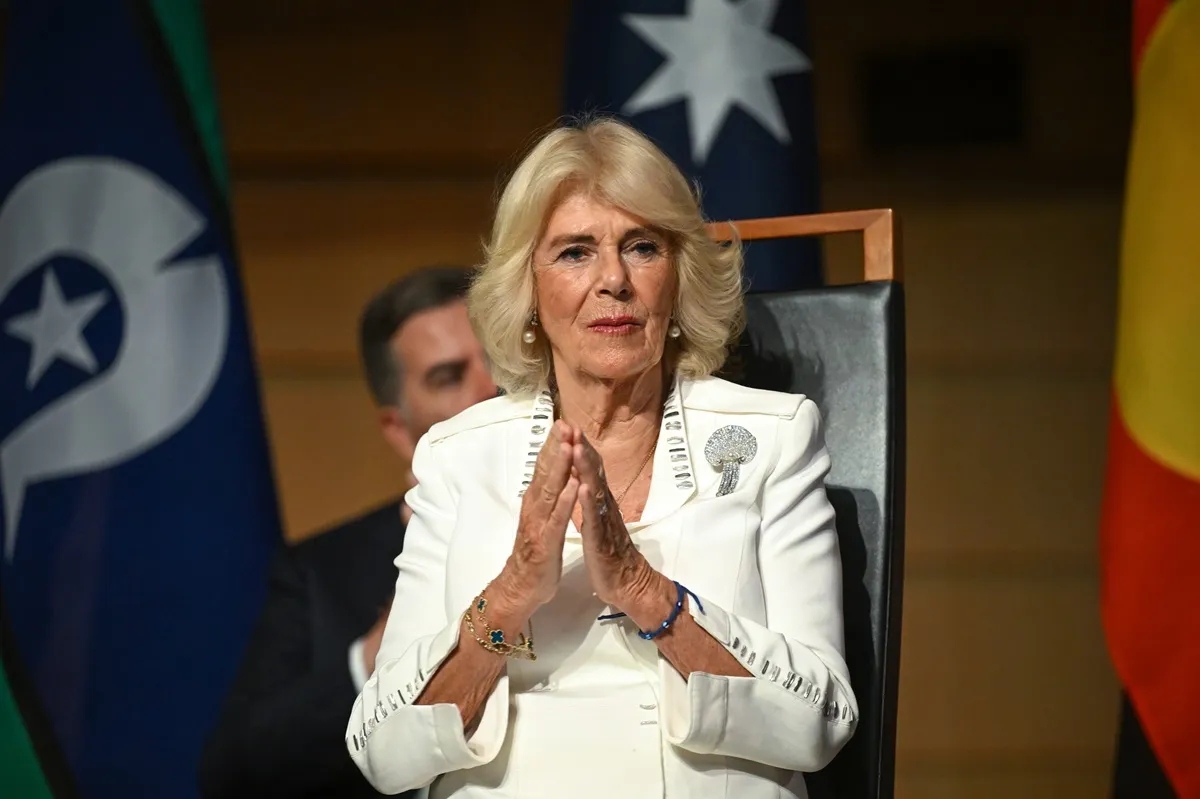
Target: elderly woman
(622, 577)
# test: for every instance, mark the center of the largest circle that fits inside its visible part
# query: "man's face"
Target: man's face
(443, 371)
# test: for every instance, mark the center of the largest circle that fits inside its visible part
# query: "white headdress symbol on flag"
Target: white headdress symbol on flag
(127, 223)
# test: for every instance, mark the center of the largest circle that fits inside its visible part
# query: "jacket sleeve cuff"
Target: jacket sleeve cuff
(485, 742)
(791, 712)
(390, 722)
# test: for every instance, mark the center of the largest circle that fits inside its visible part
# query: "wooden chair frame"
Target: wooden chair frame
(880, 233)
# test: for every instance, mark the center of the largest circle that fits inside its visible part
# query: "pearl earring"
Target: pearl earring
(673, 331)
(530, 336)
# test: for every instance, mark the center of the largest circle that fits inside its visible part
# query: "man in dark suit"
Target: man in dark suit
(281, 730)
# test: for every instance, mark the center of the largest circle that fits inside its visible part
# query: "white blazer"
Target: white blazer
(763, 560)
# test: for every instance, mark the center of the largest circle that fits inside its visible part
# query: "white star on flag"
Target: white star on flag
(718, 55)
(55, 329)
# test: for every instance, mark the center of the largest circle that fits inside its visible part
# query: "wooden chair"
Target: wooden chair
(844, 347)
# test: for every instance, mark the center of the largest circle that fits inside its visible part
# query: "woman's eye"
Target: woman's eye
(645, 249)
(572, 254)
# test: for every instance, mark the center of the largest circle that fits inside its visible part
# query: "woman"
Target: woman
(622, 577)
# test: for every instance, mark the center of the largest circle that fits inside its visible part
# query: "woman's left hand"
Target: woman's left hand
(618, 571)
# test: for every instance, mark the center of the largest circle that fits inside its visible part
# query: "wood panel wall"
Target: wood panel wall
(367, 140)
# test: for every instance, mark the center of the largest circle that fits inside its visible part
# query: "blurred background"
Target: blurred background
(369, 137)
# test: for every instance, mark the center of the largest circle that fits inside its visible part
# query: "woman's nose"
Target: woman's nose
(614, 278)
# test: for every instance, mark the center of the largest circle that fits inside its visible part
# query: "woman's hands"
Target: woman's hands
(531, 575)
(619, 572)
(569, 470)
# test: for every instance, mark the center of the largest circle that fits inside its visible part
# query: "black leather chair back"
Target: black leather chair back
(843, 346)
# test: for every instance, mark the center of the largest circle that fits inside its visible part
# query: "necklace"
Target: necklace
(641, 469)
(617, 499)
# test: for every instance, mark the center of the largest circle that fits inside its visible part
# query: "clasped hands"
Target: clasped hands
(569, 471)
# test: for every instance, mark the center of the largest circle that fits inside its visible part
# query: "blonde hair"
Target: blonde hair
(619, 166)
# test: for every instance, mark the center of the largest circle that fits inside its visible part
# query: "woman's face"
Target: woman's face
(605, 288)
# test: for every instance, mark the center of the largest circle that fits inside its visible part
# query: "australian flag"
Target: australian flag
(139, 513)
(725, 88)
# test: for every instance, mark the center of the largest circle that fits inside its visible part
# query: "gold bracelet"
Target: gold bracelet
(494, 640)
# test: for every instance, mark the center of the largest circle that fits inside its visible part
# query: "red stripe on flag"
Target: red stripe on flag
(1146, 14)
(1150, 573)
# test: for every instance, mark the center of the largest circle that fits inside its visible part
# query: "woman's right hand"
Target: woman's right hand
(530, 577)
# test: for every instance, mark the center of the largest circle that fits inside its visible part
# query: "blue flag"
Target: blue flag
(725, 88)
(139, 513)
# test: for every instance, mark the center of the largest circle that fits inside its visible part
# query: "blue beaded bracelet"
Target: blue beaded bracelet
(675, 611)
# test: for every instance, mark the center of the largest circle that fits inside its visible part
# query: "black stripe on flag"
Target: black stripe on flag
(1137, 774)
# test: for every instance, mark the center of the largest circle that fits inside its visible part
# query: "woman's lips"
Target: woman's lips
(615, 326)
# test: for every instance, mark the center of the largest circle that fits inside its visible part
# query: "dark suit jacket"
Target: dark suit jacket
(281, 732)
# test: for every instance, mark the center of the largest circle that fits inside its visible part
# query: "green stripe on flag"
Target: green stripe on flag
(20, 771)
(182, 25)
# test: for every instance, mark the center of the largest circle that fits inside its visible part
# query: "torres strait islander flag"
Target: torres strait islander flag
(1150, 534)
(139, 513)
